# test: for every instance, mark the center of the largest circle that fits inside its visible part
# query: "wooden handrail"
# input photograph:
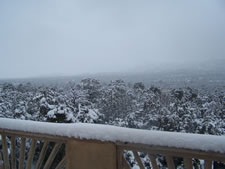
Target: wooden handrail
(96, 153)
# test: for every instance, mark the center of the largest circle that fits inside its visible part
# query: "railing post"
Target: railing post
(90, 155)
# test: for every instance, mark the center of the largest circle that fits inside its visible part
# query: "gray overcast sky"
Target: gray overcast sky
(63, 37)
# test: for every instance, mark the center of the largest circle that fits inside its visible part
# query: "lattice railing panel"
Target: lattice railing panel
(131, 157)
(19, 152)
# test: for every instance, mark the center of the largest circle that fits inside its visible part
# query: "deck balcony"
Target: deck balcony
(37, 145)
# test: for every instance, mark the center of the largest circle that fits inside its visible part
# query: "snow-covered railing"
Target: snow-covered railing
(97, 146)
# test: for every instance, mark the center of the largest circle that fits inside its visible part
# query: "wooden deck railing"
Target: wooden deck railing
(24, 149)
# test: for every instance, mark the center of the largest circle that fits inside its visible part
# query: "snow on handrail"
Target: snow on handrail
(118, 134)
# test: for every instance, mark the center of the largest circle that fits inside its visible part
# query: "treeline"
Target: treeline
(117, 103)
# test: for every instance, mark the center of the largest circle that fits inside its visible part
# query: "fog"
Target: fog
(46, 38)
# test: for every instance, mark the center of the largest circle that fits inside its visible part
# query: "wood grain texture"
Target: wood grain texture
(1, 161)
(117, 156)
(188, 163)
(83, 155)
(138, 159)
(62, 164)
(31, 154)
(153, 161)
(175, 152)
(13, 152)
(22, 153)
(52, 155)
(208, 164)
(170, 162)
(5, 152)
(42, 155)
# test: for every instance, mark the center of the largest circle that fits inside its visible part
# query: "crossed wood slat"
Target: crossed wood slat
(10, 161)
(17, 141)
(168, 153)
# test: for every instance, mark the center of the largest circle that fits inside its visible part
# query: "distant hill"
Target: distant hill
(171, 78)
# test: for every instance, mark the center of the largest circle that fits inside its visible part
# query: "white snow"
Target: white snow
(51, 113)
(92, 114)
(112, 133)
(43, 100)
